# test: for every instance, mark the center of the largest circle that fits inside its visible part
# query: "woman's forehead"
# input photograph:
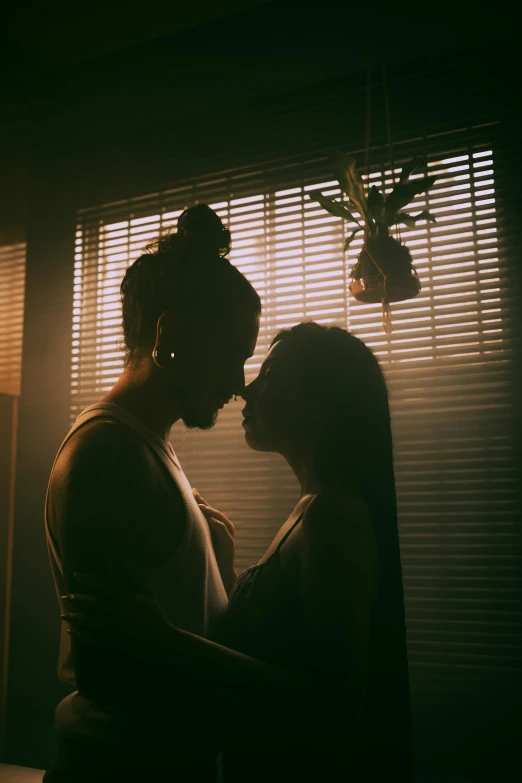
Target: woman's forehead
(280, 355)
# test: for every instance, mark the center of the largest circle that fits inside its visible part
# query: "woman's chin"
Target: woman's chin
(251, 440)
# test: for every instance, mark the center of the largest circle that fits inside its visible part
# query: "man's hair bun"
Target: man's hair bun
(202, 228)
(184, 270)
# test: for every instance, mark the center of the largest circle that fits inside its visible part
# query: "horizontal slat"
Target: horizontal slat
(12, 286)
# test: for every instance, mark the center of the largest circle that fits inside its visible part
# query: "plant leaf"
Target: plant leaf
(376, 205)
(403, 193)
(348, 240)
(409, 168)
(345, 169)
(411, 220)
(333, 207)
(425, 215)
(403, 217)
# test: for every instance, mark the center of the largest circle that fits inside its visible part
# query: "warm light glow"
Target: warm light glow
(452, 334)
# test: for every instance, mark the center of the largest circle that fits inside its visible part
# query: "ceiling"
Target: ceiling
(49, 36)
(108, 61)
(44, 38)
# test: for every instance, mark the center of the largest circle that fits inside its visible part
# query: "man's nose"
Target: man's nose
(238, 387)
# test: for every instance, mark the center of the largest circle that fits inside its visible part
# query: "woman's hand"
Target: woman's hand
(223, 534)
(111, 616)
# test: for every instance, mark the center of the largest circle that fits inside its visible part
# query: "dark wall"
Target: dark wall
(8, 427)
(66, 80)
(43, 419)
(233, 92)
(208, 69)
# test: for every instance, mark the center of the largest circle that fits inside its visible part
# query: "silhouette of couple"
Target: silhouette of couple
(296, 669)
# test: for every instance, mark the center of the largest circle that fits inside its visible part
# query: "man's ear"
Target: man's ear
(168, 330)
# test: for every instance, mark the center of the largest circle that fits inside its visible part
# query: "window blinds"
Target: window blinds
(448, 365)
(12, 285)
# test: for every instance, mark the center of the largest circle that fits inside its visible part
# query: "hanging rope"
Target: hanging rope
(386, 310)
(388, 119)
(388, 124)
(368, 106)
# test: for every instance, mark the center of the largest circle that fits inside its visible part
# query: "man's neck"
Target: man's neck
(142, 396)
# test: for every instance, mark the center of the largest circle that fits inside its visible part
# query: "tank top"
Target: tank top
(264, 619)
(187, 583)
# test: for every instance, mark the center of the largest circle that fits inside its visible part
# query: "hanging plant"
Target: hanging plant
(384, 271)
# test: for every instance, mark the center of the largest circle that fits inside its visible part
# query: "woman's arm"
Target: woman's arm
(222, 533)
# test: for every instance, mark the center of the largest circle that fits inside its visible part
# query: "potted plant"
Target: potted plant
(384, 271)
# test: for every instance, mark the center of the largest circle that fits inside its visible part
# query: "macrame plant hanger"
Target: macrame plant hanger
(386, 310)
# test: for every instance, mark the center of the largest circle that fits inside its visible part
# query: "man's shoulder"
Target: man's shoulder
(107, 471)
(101, 446)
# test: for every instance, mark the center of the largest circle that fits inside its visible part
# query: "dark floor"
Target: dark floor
(14, 774)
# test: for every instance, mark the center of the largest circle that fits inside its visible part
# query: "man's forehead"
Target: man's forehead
(247, 334)
(242, 341)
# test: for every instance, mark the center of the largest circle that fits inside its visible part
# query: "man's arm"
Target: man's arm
(339, 572)
(106, 490)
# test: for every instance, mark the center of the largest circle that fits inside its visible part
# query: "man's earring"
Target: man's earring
(162, 357)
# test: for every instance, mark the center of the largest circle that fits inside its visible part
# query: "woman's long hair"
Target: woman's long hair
(344, 382)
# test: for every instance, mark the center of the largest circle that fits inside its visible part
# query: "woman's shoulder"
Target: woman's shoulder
(339, 543)
(339, 540)
(338, 502)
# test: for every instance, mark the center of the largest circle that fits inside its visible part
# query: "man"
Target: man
(120, 505)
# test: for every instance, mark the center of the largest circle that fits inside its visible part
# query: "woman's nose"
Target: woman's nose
(247, 392)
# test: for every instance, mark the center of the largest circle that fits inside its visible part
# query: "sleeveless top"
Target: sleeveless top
(264, 620)
(187, 583)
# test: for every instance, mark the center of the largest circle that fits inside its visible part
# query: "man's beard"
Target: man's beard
(200, 421)
(187, 397)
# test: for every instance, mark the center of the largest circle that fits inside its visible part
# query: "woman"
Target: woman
(315, 631)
